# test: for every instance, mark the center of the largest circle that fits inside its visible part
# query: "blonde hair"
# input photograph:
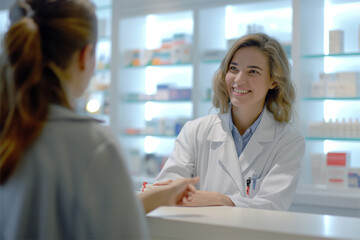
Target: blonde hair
(279, 101)
(42, 32)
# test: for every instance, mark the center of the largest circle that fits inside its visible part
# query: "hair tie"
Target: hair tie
(29, 12)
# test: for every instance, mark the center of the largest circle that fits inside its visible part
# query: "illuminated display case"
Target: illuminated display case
(161, 52)
(140, 107)
(95, 101)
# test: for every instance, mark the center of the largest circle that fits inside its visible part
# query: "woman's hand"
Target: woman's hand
(205, 198)
(173, 193)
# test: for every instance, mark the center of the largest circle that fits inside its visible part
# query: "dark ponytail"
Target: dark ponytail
(49, 34)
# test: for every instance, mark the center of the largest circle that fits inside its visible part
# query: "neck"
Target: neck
(243, 118)
(65, 80)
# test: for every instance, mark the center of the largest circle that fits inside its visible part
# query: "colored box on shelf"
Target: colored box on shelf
(337, 174)
(354, 177)
(181, 54)
(180, 94)
(336, 41)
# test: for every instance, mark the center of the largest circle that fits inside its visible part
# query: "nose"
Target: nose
(239, 77)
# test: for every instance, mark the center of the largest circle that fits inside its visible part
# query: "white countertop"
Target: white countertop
(243, 223)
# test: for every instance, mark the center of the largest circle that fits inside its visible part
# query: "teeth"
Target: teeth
(240, 91)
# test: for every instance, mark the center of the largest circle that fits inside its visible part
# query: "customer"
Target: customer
(249, 154)
(62, 175)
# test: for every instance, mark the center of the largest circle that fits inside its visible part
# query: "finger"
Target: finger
(167, 182)
(191, 188)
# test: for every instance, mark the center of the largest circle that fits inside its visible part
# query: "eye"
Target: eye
(253, 72)
(233, 68)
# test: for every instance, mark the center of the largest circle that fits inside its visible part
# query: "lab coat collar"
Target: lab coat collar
(265, 132)
(60, 113)
(221, 132)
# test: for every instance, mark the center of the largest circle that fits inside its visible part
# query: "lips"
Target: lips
(241, 91)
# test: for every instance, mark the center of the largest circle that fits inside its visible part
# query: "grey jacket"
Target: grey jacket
(71, 184)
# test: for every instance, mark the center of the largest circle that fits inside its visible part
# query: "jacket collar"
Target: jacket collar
(60, 113)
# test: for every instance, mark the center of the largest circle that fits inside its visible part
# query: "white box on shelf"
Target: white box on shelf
(336, 41)
(318, 168)
(336, 168)
(346, 84)
(318, 88)
(331, 88)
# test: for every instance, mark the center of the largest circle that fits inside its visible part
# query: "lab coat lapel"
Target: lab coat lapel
(226, 151)
(264, 133)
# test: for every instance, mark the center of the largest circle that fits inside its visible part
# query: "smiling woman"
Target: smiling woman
(249, 154)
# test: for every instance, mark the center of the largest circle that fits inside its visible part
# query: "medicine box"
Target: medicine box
(354, 177)
(346, 84)
(336, 166)
(318, 168)
(336, 41)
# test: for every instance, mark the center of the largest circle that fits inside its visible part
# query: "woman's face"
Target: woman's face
(88, 71)
(248, 78)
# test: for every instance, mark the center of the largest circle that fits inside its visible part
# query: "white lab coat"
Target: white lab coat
(205, 148)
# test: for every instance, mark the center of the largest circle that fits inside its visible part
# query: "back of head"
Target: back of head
(42, 33)
(279, 100)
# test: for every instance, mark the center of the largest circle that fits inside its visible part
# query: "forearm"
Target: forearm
(152, 199)
(205, 198)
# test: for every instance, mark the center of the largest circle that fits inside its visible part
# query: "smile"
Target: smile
(241, 91)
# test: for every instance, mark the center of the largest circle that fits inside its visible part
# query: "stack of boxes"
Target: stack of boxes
(333, 170)
(175, 50)
(335, 85)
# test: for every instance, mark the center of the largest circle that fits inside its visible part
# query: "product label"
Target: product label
(336, 159)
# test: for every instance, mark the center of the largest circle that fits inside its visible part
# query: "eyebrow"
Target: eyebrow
(251, 66)
(257, 67)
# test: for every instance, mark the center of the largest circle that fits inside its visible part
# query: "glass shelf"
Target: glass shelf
(148, 135)
(161, 65)
(330, 98)
(211, 61)
(331, 138)
(157, 101)
(104, 39)
(333, 55)
(103, 7)
(105, 70)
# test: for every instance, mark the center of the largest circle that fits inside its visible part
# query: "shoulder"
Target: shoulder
(68, 125)
(287, 133)
(204, 123)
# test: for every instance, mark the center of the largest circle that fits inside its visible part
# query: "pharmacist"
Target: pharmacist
(249, 154)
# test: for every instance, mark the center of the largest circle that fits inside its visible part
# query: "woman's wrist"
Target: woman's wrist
(226, 201)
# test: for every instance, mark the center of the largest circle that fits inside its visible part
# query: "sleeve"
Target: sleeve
(181, 161)
(107, 206)
(277, 188)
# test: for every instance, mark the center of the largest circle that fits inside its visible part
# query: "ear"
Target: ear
(85, 56)
(273, 85)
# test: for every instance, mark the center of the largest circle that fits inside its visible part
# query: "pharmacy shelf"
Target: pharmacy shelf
(157, 101)
(331, 138)
(148, 135)
(161, 65)
(331, 98)
(321, 199)
(353, 54)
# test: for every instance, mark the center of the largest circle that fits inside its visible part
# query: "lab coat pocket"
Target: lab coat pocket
(254, 187)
